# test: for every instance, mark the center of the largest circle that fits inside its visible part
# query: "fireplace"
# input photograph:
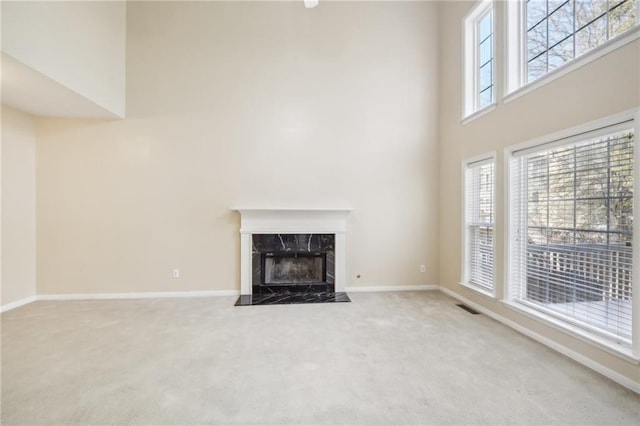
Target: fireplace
(293, 262)
(292, 256)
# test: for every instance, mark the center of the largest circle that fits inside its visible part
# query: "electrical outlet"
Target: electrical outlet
(423, 268)
(175, 273)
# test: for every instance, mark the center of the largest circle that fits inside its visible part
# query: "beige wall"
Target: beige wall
(18, 206)
(604, 87)
(247, 105)
(79, 44)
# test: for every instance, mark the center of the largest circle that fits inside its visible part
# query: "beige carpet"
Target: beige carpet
(386, 358)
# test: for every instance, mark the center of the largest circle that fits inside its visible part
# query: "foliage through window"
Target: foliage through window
(558, 31)
(573, 229)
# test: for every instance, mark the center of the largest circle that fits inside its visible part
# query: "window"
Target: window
(571, 237)
(479, 58)
(543, 35)
(560, 30)
(479, 181)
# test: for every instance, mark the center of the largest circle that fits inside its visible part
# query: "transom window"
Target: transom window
(572, 230)
(479, 75)
(544, 35)
(485, 62)
(479, 183)
(560, 30)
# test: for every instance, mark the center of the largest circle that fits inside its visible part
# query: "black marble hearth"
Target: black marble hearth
(291, 298)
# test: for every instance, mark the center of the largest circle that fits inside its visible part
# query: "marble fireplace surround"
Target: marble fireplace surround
(291, 221)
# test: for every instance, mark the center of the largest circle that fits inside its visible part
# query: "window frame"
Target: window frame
(471, 60)
(477, 161)
(629, 353)
(515, 40)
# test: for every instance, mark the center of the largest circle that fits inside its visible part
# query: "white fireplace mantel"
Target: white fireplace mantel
(291, 221)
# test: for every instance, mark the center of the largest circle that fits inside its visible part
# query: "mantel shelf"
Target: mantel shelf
(293, 209)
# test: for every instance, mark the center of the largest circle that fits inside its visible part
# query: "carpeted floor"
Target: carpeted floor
(386, 358)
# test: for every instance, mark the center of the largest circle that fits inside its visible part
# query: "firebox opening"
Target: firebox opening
(293, 263)
(294, 268)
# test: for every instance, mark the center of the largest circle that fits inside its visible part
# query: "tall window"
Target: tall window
(485, 61)
(479, 182)
(479, 58)
(558, 31)
(572, 228)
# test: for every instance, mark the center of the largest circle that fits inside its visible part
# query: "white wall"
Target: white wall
(604, 87)
(80, 45)
(18, 206)
(250, 105)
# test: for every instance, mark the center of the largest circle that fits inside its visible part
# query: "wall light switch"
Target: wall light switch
(175, 273)
(423, 268)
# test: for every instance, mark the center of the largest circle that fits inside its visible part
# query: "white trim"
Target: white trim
(106, 296)
(192, 294)
(587, 362)
(514, 46)
(470, 62)
(289, 230)
(150, 295)
(608, 121)
(574, 331)
(507, 211)
(484, 158)
(565, 136)
(479, 113)
(587, 135)
(572, 65)
(17, 303)
(481, 291)
(478, 160)
(292, 221)
(381, 288)
(635, 284)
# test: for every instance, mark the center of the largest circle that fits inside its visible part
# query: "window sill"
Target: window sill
(479, 290)
(479, 113)
(575, 64)
(611, 347)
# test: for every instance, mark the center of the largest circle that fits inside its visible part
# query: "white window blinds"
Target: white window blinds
(572, 227)
(479, 223)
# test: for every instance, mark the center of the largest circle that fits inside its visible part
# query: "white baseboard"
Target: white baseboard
(150, 295)
(17, 303)
(375, 288)
(203, 293)
(587, 362)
